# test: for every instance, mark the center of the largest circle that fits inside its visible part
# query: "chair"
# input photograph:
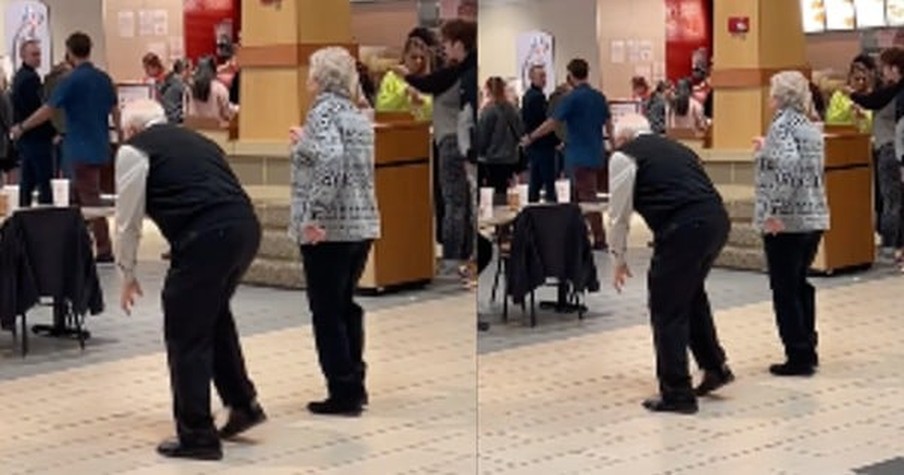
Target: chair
(551, 242)
(56, 262)
(504, 247)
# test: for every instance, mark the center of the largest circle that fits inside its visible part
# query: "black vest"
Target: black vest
(670, 181)
(190, 186)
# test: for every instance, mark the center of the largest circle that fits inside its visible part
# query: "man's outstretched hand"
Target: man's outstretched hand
(620, 276)
(131, 290)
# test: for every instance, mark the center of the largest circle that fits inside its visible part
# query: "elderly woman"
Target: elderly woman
(792, 213)
(335, 220)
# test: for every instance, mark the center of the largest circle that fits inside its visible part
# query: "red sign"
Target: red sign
(739, 25)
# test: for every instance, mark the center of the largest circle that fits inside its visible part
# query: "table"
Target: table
(504, 217)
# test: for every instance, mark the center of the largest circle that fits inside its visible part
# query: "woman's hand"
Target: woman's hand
(313, 234)
(758, 143)
(400, 70)
(414, 96)
(295, 134)
(773, 225)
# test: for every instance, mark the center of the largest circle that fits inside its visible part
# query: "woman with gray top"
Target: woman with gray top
(792, 213)
(499, 131)
(888, 104)
(335, 220)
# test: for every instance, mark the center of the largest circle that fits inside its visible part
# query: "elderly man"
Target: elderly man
(182, 182)
(665, 183)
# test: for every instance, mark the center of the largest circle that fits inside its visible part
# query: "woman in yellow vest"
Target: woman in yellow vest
(395, 95)
(842, 110)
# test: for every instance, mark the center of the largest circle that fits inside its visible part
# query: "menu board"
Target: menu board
(840, 15)
(814, 14)
(894, 12)
(870, 13)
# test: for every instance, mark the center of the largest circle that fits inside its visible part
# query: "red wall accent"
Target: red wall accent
(688, 27)
(201, 17)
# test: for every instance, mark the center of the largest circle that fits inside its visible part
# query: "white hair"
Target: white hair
(333, 69)
(140, 114)
(791, 90)
(629, 126)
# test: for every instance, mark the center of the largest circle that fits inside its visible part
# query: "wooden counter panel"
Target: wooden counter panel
(401, 142)
(405, 252)
(850, 239)
(847, 149)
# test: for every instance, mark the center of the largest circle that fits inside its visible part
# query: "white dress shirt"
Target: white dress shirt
(622, 175)
(132, 167)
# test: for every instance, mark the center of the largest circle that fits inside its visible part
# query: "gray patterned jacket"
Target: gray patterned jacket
(790, 175)
(333, 173)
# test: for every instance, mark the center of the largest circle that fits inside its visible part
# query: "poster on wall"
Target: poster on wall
(535, 48)
(894, 12)
(840, 15)
(870, 13)
(27, 20)
(126, 24)
(617, 51)
(814, 15)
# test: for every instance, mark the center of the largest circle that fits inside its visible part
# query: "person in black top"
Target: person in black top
(666, 184)
(183, 182)
(541, 154)
(35, 146)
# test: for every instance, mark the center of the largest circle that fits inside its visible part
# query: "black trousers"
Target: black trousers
(439, 206)
(36, 171)
(332, 271)
(542, 174)
(789, 256)
(201, 339)
(679, 307)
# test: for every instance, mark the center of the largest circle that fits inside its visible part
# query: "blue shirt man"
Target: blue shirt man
(87, 96)
(585, 113)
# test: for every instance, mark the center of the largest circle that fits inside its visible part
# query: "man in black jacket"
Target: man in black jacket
(35, 146)
(182, 181)
(665, 183)
(542, 153)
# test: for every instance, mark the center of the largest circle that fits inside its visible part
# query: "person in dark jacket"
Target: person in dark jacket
(499, 130)
(541, 155)
(665, 183)
(459, 39)
(172, 92)
(183, 182)
(51, 81)
(36, 146)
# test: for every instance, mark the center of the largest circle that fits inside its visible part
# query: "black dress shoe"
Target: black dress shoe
(790, 368)
(174, 448)
(337, 407)
(657, 404)
(713, 380)
(242, 419)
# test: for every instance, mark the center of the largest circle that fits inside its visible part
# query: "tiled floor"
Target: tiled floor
(564, 397)
(103, 411)
(561, 398)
